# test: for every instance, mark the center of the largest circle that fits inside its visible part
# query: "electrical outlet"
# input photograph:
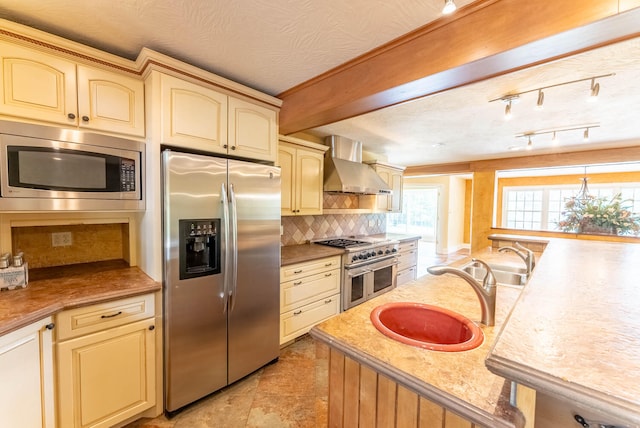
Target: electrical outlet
(61, 239)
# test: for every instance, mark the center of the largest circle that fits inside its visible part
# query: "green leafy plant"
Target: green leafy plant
(599, 215)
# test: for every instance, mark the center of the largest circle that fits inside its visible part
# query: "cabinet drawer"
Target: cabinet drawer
(298, 322)
(408, 245)
(89, 319)
(406, 275)
(408, 259)
(308, 289)
(300, 270)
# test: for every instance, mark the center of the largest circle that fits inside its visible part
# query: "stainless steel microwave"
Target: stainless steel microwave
(51, 169)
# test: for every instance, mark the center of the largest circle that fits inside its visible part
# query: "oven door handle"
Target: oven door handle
(358, 273)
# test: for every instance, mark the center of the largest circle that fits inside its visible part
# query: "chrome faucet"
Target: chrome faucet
(524, 253)
(486, 291)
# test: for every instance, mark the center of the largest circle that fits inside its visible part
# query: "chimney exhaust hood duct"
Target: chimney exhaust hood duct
(344, 171)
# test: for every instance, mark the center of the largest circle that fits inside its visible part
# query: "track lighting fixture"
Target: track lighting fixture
(594, 91)
(529, 135)
(509, 100)
(507, 111)
(449, 7)
(540, 100)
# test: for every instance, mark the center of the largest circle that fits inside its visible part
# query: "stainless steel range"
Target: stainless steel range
(370, 267)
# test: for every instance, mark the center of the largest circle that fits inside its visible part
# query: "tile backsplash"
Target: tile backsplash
(90, 243)
(301, 229)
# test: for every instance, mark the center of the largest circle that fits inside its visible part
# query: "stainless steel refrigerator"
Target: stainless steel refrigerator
(221, 272)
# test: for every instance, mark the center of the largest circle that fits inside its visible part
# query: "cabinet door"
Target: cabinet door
(193, 116)
(37, 86)
(395, 200)
(287, 161)
(110, 102)
(253, 131)
(383, 201)
(309, 167)
(106, 377)
(26, 370)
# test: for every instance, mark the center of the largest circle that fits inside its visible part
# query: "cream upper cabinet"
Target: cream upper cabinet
(392, 175)
(42, 87)
(106, 362)
(302, 165)
(200, 118)
(37, 86)
(253, 131)
(26, 370)
(193, 116)
(110, 102)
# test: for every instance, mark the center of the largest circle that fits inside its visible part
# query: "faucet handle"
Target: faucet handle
(489, 279)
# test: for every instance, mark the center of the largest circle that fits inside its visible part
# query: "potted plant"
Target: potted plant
(599, 215)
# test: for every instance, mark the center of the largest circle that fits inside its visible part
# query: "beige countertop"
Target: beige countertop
(458, 381)
(52, 290)
(575, 331)
(304, 252)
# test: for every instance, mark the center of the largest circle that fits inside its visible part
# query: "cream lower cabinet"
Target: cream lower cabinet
(26, 377)
(44, 87)
(302, 166)
(196, 117)
(106, 362)
(392, 175)
(407, 261)
(309, 294)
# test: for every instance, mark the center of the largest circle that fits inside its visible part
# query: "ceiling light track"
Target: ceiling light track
(509, 99)
(529, 135)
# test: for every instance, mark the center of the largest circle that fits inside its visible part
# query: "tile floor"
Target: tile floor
(289, 393)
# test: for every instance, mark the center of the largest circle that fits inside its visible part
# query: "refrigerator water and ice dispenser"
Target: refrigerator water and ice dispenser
(199, 247)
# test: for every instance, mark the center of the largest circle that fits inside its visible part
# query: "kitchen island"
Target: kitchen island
(574, 335)
(438, 386)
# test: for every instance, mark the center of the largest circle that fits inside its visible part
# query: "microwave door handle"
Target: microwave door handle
(234, 247)
(225, 253)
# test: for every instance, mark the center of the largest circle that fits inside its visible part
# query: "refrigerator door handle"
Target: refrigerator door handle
(234, 248)
(226, 243)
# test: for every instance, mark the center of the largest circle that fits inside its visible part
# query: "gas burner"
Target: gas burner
(342, 243)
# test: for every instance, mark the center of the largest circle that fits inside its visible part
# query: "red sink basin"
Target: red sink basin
(427, 326)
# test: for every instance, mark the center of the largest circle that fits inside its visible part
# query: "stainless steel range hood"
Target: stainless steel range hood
(344, 171)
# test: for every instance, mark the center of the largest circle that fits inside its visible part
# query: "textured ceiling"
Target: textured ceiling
(463, 125)
(275, 45)
(270, 45)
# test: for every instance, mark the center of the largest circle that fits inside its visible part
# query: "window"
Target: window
(419, 213)
(541, 207)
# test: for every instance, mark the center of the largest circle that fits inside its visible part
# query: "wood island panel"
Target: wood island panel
(360, 397)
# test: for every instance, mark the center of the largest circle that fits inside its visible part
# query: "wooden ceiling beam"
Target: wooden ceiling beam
(485, 39)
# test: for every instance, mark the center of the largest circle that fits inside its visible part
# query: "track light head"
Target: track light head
(585, 135)
(540, 102)
(449, 7)
(554, 139)
(529, 143)
(595, 90)
(507, 112)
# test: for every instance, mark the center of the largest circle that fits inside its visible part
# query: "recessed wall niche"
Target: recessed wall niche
(89, 243)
